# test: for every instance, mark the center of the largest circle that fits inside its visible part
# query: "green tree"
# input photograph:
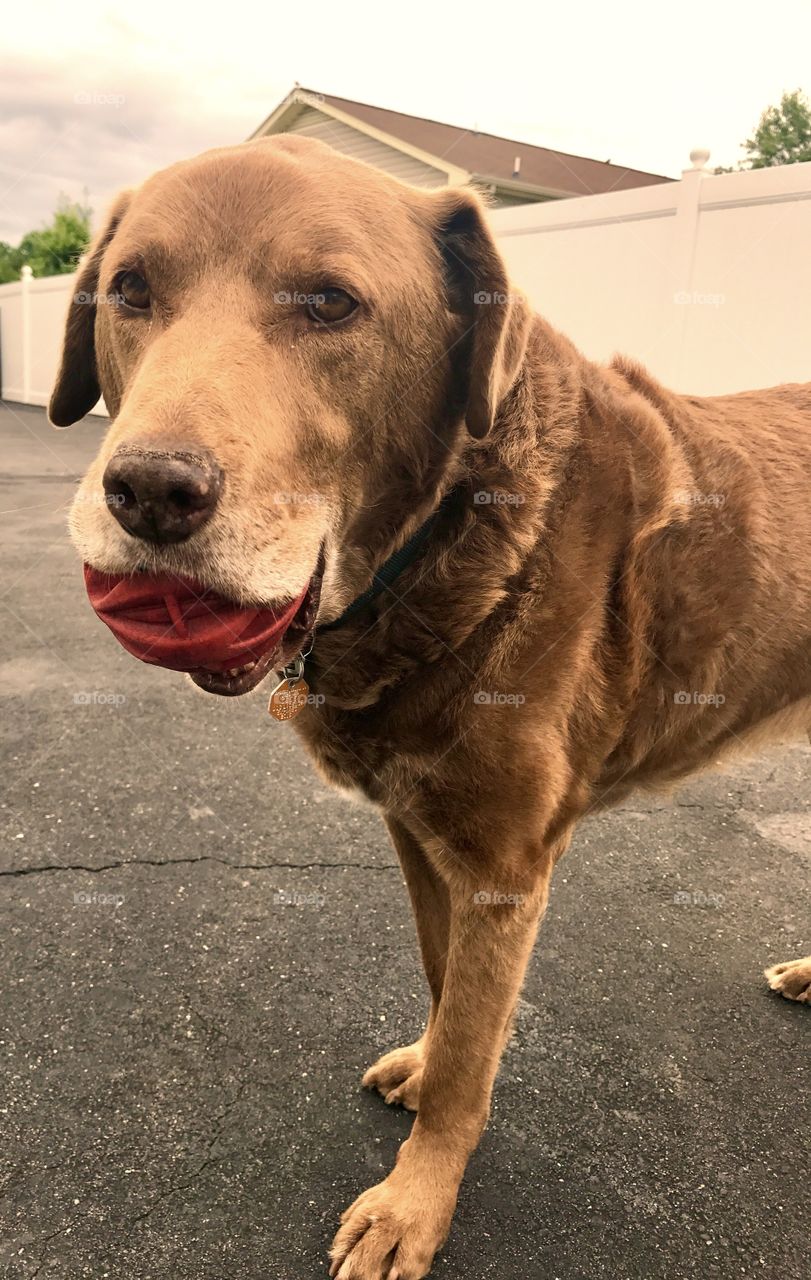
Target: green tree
(783, 134)
(10, 262)
(53, 250)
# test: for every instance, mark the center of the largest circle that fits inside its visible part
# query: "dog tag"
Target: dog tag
(288, 699)
(291, 693)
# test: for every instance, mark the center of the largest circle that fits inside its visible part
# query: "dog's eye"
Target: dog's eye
(330, 305)
(134, 290)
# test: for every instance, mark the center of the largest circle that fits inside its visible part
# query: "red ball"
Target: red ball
(176, 623)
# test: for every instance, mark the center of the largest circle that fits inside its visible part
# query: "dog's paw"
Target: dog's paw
(393, 1230)
(792, 980)
(397, 1076)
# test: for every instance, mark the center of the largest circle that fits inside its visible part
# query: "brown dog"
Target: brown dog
(305, 362)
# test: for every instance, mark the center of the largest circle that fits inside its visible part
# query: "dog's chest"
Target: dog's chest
(367, 764)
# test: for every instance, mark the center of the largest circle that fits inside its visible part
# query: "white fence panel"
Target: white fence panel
(707, 281)
(12, 357)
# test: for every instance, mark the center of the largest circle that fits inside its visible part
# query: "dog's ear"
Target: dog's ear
(497, 318)
(77, 388)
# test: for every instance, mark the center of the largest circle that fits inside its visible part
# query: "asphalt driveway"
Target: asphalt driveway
(203, 948)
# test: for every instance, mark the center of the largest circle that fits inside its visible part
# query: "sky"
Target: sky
(96, 96)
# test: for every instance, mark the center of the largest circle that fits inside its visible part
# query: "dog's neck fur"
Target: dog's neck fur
(481, 550)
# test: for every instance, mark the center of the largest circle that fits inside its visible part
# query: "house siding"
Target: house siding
(351, 142)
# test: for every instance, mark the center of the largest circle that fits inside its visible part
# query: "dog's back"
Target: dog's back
(723, 584)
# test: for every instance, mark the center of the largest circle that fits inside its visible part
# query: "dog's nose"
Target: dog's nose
(162, 494)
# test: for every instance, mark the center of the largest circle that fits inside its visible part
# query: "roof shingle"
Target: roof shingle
(492, 157)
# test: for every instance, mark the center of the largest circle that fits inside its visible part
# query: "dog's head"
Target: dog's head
(295, 351)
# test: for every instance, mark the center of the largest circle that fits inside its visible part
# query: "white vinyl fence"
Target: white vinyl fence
(707, 281)
(32, 319)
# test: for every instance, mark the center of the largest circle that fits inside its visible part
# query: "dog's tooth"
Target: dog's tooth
(240, 671)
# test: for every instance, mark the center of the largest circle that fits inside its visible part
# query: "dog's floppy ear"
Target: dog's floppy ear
(496, 316)
(77, 384)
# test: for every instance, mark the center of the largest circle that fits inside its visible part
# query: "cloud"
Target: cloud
(81, 130)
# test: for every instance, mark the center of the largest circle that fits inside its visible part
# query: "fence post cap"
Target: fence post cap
(699, 157)
(26, 272)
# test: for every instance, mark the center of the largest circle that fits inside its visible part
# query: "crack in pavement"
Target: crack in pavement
(207, 1160)
(46, 1239)
(177, 862)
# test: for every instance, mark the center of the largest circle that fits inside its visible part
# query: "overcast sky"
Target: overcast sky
(96, 96)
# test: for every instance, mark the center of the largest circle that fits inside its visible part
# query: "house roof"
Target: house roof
(492, 158)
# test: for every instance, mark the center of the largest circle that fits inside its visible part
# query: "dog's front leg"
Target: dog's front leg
(398, 1074)
(394, 1229)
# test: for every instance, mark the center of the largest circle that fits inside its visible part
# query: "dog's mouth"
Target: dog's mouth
(174, 622)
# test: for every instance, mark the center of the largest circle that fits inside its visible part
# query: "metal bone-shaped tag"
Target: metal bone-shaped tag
(291, 693)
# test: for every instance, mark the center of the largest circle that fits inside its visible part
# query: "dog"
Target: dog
(501, 586)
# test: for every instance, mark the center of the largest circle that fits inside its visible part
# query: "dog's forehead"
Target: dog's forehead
(293, 203)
